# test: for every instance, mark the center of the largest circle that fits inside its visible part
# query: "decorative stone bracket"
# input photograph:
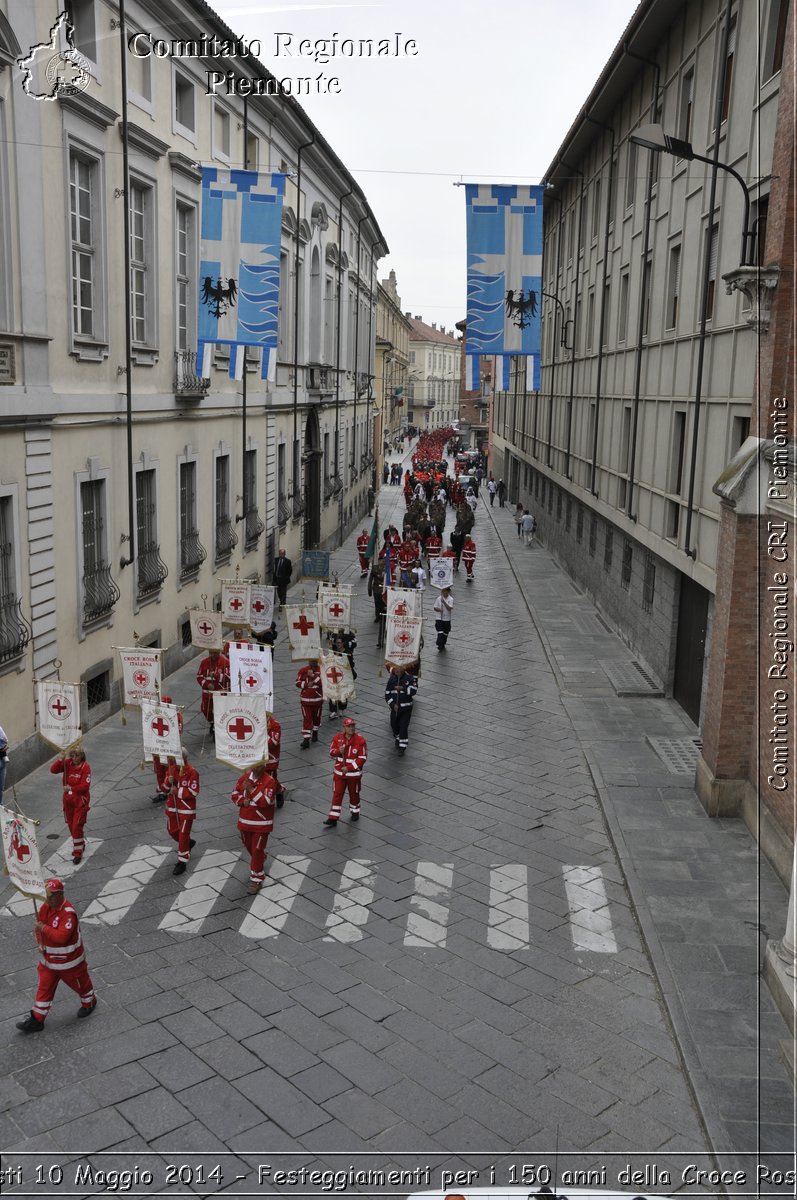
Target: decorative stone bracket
(757, 284)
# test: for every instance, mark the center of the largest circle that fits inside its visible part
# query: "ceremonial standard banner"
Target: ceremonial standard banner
(402, 641)
(240, 724)
(141, 675)
(59, 712)
(404, 602)
(206, 629)
(239, 268)
(335, 607)
(337, 680)
(22, 853)
(504, 230)
(236, 599)
(304, 632)
(261, 607)
(251, 671)
(441, 571)
(160, 729)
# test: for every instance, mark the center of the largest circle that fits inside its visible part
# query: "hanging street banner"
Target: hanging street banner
(441, 571)
(335, 607)
(251, 671)
(236, 598)
(261, 607)
(337, 678)
(304, 632)
(141, 675)
(22, 853)
(402, 641)
(160, 729)
(404, 602)
(239, 267)
(206, 629)
(241, 726)
(58, 712)
(504, 231)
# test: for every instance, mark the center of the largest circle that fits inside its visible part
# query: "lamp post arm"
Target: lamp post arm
(730, 170)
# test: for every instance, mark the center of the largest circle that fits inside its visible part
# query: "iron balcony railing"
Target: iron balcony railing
(337, 485)
(253, 527)
(226, 538)
(100, 593)
(152, 570)
(186, 380)
(298, 505)
(15, 632)
(283, 511)
(192, 553)
(329, 487)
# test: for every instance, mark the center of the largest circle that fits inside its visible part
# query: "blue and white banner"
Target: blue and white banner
(504, 227)
(239, 267)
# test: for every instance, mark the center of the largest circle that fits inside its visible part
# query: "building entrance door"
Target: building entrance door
(690, 648)
(312, 483)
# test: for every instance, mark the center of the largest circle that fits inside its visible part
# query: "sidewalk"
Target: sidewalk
(706, 900)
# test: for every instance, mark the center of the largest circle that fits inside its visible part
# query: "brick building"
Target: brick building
(474, 406)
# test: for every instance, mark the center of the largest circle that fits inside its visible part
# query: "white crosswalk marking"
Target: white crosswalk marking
(201, 892)
(508, 927)
(590, 919)
(271, 907)
(350, 910)
(124, 888)
(427, 925)
(60, 866)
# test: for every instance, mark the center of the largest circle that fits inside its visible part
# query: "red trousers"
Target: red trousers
(76, 810)
(341, 784)
(468, 565)
(178, 826)
(363, 562)
(77, 978)
(255, 841)
(311, 716)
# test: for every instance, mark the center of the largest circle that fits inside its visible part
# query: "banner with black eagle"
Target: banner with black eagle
(504, 230)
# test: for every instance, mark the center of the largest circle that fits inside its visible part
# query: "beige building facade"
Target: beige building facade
(434, 376)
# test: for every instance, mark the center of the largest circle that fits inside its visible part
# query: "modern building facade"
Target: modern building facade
(129, 486)
(661, 360)
(434, 376)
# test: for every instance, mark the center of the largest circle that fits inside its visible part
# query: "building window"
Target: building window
(85, 244)
(226, 537)
(606, 314)
(100, 593)
(253, 526)
(142, 285)
(625, 456)
(221, 132)
(673, 285)
(593, 534)
(646, 281)
(580, 524)
(711, 250)
(758, 225)
(740, 431)
(252, 151)
(630, 178)
(80, 14)
(608, 549)
(649, 582)
(726, 91)
(184, 113)
(14, 630)
(283, 511)
(612, 190)
(151, 571)
(192, 552)
(622, 317)
(139, 75)
(672, 516)
(185, 268)
(677, 448)
(98, 689)
(596, 208)
(775, 38)
(628, 559)
(590, 331)
(686, 106)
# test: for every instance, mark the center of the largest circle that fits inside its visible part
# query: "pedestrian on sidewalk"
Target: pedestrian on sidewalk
(311, 699)
(500, 489)
(213, 676)
(443, 607)
(63, 958)
(400, 691)
(519, 518)
(281, 576)
(371, 498)
(492, 488)
(181, 809)
(349, 750)
(255, 795)
(528, 524)
(77, 795)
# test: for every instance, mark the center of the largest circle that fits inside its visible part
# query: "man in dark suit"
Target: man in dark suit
(281, 576)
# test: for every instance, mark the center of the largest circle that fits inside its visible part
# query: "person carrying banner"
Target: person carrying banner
(63, 958)
(469, 557)
(77, 795)
(349, 751)
(160, 767)
(400, 691)
(443, 607)
(274, 751)
(362, 551)
(183, 784)
(311, 699)
(213, 676)
(255, 794)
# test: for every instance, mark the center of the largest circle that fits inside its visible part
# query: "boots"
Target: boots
(31, 1024)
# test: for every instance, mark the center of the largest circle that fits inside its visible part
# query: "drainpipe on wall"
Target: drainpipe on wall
(131, 507)
(345, 196)
(296, 482)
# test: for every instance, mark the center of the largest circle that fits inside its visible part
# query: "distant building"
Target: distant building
(474, 406)
(434, 376)
(392, 359)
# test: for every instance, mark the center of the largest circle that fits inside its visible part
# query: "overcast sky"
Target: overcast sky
(490, 95)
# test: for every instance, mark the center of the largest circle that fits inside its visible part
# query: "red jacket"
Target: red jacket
(433, 544)
(274, 742)
(469, 550)
(308, 681)
(255, 799)
(212, 678)
(349, 754)
(362, 544)
(181, 799)
(77, 779)
(60, 942)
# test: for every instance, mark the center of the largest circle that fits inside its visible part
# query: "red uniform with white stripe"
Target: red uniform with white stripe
(434, 544)
(311, 698)
(349, 754)
(181, 807)
(362, 550)
(77, 799)
(469, 555)
(63, 958)
(255, 798)
(212, 677)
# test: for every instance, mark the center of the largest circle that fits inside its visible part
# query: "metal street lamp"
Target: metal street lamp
(653, 137)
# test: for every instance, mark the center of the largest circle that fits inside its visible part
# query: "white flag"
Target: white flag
(335, 607)
(441, 571)
(337, 679)
(206, 629)
(160, 729)
(402, 641)
(251, 671)
(404, 602)
(303, 631)
(240, 724)
(22, 853)
(59, 712)
(141, 675)
(235, 600)
(261, 608)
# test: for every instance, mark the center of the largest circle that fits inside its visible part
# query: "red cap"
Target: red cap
(348, 721)
(53, 885)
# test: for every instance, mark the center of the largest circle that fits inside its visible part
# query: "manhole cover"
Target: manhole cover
(679, 755)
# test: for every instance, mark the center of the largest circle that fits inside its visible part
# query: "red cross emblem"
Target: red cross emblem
(18, 847)
(303, 625)
(401, 609)
(235, 604)
(252, 681)
(258, 606)
(334, 674)
(336, 609)
(161, 727)
(58, 707)
(206, 628)
(141, 678)
(240, 729)
(403, 638)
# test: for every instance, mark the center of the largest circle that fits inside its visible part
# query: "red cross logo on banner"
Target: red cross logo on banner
(252, 681)
(258, 606)
(141, 678)
(334, 674)
(206, 628)
(401, 609)
(303, 625)
(403, 638)
(240, 729)
(19, 848)
(161, 727)
(336, 609)
(236, 604)
(58, 707)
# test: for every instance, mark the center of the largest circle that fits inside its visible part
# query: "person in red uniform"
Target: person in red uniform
(254, 794)
(349, 751)
(63, 958)
(434, 545)
(469, 557)
(311, 698)
(77, 795)
(183, 784)
(213, 676)
(274, 751)
(362, 550)
(160, 767)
